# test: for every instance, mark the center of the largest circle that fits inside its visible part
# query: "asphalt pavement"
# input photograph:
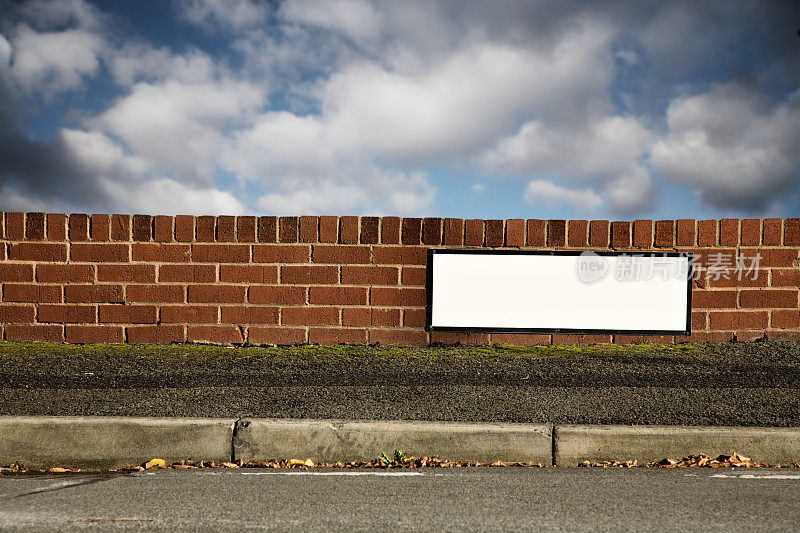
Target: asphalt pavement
(731, 384)
(457, 499)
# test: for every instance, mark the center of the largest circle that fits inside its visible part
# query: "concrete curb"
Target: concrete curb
(338, 440)
(113, 442)
(574, 444)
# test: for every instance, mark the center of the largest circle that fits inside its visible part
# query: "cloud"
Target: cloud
(358, 19)
(230, 15)
(549, 194)
(137, 61)
(734, 148)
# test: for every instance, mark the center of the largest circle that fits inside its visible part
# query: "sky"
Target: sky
(453, 108)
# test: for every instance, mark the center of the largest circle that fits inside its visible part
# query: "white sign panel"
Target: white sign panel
(559, 291)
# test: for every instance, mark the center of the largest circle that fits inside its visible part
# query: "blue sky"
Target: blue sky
(472, 109)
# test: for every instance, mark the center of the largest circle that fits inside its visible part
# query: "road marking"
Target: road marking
(753, 476)
(378, 474)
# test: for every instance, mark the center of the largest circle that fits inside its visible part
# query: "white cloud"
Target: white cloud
(478, 188)
(5, 53)
(141, 62)
(166, 196)
(357, 19)
(732, 147)
(549, 194)
(231, 15)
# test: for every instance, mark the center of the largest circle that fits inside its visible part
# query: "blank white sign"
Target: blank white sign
(559, 292)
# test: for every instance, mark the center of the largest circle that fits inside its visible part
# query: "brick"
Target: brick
(328, 336)
(473, 232)
(15, 226)
(16, 272)
(713, 299)
(338, 295)
(414, 317)
(288, 228)
(786, 318)
(599, 234)
(246, 229)
(791, 229)
(781, 335)
(155, 293)
(248, 273)
(685, 234)
(23, 292)
(494, 233)
(189, 314)
(215, 334)
(205, 228)
(369, 275)
(578, 232)
(184, 228)
(277, 295)
(81, 334)
(453, 232)
(576, 338)
(536, 232)
(226, 228)
(665, 234)
(395, 255)
(158, 334)
(64, 273)
(28, 251)
(369, 230)
(729, 232)
(699, 320)
(249, 315)
(187, 273)
(99, 253)
(390, 230)
(61, 313)
(21, 314)
(78, 227)
(93, 293)
(308, 228)
(457, 338)
(309, 316)
(366, 316)
(412, 231)
(557, 233)
(707, 233)
(341, 255)
(216, 293)
(734, 278)
(128, 314)
(129, 273)
(397, 297)
(773, 232)
(785, 277)
(267, 229)
(521, 339)
(398, 337)
(766, 299)
(770, 257)
(281, 253)
(120, 227)
(56, 227)
(142, 228)
(726, 320)
(163, 228)
(308, 275)
(329, 229)
(751, 232)
(276, 335)
(34, 226)
(621, 234)
(642, 233)
(42, 333)
(348, 230)
(515, 232)
(161, 253)
(100, 228)
(432, 231)
(414, 276)
(221, 253)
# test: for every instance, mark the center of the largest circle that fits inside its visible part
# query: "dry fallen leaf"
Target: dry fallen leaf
(155, 464)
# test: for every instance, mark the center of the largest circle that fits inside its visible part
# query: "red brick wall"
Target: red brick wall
(260, 280)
